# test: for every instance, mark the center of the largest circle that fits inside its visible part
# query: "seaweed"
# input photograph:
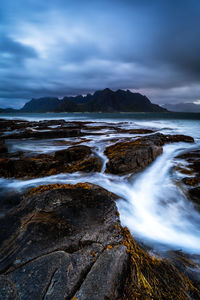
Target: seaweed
(153, 278)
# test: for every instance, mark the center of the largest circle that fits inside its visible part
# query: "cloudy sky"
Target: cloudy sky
(70, 47)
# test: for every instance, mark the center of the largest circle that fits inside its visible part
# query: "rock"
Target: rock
(160, 139)
(194, 194)
(7, 125)
(3, 148)
(50, 242)
(188, 264)
(192, 158)
(7, 290)
(73, 153)
(189, 164)
(105, 279)
(47, 129)
(190, 181)
(46, 134)
(136, 131)
(66, 242)
(9, 198)
(133, 156)
(73, 159)
(130, 157)
(178, 138)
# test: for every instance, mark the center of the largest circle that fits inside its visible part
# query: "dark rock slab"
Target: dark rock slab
(106, 276)
(51, 240)
(8, 290)
(55, 275)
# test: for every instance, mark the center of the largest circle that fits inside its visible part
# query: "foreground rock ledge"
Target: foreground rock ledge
(66, 242)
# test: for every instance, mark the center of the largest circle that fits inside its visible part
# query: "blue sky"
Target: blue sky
(63, 47)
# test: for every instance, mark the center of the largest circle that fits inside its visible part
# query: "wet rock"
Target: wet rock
(7, 290)
(73, 159)
(133, 156)
(192, 158)
(136, 131)
(191, 181)
(55, 236)
(66, 242)
(9, 198)
(20, 129)
(73, 153)
(160, 139)
(106, 278)
(178, 138)
(8, 125)
(194, 194)
(189, 164)
(46, 134)
(130, 157)
(188, 264)
(3, 147)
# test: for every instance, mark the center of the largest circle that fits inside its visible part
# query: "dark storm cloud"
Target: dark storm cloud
(13, 53)
(8, 46)
(69, 47)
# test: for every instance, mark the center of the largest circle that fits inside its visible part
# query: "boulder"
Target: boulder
(133, 156)
(130, 157)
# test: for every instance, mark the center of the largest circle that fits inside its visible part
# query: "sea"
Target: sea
(151, 204)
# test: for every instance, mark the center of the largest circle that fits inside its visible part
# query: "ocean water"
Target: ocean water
(151, 205)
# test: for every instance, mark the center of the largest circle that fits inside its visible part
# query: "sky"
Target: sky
(69, 47)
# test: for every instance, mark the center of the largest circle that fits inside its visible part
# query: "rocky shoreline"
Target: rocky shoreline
(65, 241)
(124, 156)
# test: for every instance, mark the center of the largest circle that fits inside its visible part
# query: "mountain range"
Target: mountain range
(101, 101)
(183, 107)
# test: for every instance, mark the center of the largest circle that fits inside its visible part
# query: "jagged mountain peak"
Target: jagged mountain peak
(105, 100)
